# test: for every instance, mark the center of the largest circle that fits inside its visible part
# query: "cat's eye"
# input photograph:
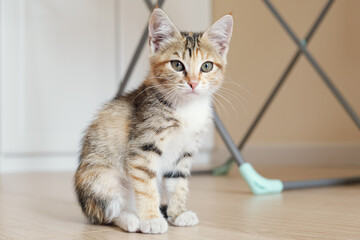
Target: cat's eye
(177, 65)
(207, 67)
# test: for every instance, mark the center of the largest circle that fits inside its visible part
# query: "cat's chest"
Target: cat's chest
(194, 120)
(193, 117)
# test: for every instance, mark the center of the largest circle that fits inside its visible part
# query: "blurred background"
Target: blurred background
(61, 60)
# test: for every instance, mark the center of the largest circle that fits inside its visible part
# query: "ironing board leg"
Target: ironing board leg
(138, 51)
(315, 65)
(285, 75)
(224, 169)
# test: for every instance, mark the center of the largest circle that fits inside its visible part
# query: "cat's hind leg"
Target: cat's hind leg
(103, 199)
(127, 221)
(127, 218)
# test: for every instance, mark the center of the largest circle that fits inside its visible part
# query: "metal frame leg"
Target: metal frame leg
(257, 183)
(286, 73)
(334, 90)
(224, 169)
(302, 49)
(315, 65)
(320, 183)
(138, 50)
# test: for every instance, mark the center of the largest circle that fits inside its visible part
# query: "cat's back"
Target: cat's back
(108, 133)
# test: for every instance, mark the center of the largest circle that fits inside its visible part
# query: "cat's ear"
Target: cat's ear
(161, 30)
(219, 34)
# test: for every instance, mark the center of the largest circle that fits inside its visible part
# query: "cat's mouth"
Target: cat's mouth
(192, 92)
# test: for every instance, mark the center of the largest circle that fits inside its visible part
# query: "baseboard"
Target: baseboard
(344, 154)
(57, 162)
(328, 154)
(61, 162)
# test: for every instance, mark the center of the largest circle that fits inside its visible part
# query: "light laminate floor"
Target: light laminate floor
(43, 206)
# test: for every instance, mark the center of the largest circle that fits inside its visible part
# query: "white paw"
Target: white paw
(185, 219)
(156, 225)
(128, 222)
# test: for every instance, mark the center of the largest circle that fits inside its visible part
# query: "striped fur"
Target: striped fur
(137, 151)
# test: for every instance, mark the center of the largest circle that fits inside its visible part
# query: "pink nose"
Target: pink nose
(193, 84)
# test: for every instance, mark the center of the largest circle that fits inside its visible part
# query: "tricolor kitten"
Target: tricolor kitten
(137, 152)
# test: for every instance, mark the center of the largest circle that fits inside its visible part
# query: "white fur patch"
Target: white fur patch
(186, 219)
(170, 185)
(154, 226)
(194, 118)
(128, 222)
(113, 210)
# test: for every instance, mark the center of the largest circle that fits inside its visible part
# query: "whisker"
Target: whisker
(239, 85)
(164, 97)
(232, 106)
(217, 108)
(167, 78)
(228, 93)
(150, 87)
(222, 105)
(241, 103)
(237, 94)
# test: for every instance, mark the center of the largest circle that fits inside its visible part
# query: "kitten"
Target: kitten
(137, 152)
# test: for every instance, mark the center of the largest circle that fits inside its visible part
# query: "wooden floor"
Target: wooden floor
(43, 206)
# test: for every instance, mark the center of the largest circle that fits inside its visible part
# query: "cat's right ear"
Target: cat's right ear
(220, 33)
(161, 30)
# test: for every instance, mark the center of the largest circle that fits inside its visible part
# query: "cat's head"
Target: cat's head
(187, 65)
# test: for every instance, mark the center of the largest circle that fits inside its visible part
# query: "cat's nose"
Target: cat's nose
(193, 84)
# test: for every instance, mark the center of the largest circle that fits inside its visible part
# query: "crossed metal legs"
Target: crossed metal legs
(138, 50)
(302, 49)
(222, 170)
(257, 183)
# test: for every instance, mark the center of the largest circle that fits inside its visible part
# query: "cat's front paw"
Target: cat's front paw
(155, 225)
(128, 222)
(185, 219)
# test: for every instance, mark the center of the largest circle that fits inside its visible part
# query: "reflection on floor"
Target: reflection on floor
(43, 206)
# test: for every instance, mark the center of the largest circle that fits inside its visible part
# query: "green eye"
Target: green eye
(177, 65)
(207, 67)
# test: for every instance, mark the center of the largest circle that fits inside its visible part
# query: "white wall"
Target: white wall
(60, 60)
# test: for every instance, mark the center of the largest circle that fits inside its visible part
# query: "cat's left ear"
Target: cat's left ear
(219, 34)
(161, 30)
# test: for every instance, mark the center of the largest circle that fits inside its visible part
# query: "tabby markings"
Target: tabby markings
(150, 147)
(147, 171)
(163, 210)
(162, 100)
(175, 175)
(185, 155)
